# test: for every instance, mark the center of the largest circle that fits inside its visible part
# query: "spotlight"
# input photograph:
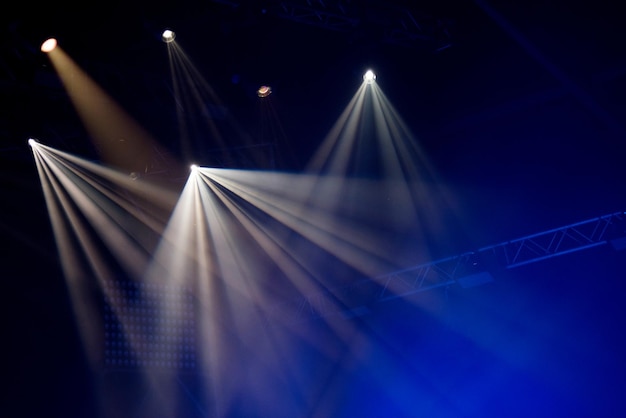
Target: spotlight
(32, 142)
(168, 36)
(193, 167)
(49, 45)
(264, 91)
(369, 76)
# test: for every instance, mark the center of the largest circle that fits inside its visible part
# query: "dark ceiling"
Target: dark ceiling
(519, 105)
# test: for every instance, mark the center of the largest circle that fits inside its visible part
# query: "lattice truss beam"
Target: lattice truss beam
(465, 270)
(396, 24)
(331, 15)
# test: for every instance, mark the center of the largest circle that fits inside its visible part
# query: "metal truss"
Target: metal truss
(466, 270)
(567, 239)
(395, 24)
(407, 27)
(400, 25)
(327, 14)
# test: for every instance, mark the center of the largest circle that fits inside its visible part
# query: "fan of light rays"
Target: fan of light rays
(238, 261)
(106, 225)
(205, 123)
(127, 214)
(255, 239)
(370, 140)
(308, 249)
(355, 229)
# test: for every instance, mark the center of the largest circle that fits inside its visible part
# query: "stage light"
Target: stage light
(264, 91)
(168, 36)
(369, 76)
(48, 45)
(32, 142)
(193, 167)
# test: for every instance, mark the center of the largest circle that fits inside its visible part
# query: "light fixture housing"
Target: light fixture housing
(369, 77)
(264, 91)
(48, 45)
(168, 36)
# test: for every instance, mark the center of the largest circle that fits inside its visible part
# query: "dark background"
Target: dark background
(519, 105)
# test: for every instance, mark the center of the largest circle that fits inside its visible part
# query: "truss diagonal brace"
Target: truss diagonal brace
(559, 241)
(454, 270)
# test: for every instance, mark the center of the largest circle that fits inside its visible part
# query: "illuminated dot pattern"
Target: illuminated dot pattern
(149, 325)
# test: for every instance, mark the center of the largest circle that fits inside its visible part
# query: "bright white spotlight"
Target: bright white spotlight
(168, 36)
(369, 76)
(193, 167)
(32, 142)
(48, 45)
